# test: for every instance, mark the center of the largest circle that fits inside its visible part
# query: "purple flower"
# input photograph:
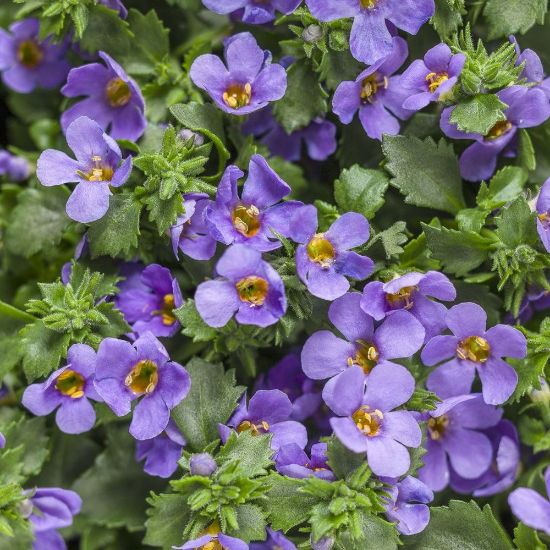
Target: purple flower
(275, 541)
(113, 99)
(254, 12)
(533, 71)
(376, 94)
(432, 78)
(411, 292)
(96, 169)
(526, 108)
(248, 83)
(142, 370)
(68, 390)
(26, 62)
(147, 300)
(2, 440)
(472, 348)
(543, 211)
(267, 412)
(214, 539)
(319, 137)
(325, 355)
(248, 286)
(370, 37)
(292, 461)
(408, 506)
(13, 167)
(455, 440)
(161, 453)
(190, 233)
(530, 507)
(251, 218)
(116, 5)
(202, 464)
(366, 421)
(323, 260)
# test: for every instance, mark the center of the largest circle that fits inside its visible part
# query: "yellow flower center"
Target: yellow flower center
(29, 54)
(143, 378)
(368, 421)
(320, 250)
(255, 429)
(253, 289)
(370, 86)
(438, 426)
(499, 129)
(474, 348)
(238, 95)
(167, 310)
(70, 383)
(98, 171)
(435, 80)
(214, 530)
(369, 4)
(366, 356)
(246, 220)
(402, 298)
(544, 218)
(118, 92)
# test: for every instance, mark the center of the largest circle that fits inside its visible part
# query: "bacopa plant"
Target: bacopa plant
(274, 274)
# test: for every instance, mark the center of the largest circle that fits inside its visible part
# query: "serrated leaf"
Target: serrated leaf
(373, 528)
(151, 35)
(479, 113)
(192, 323)
(505, 17)
(168, 516)
(505, 186)
(447, 17)
(516, 224)
(251, 520)
(254, 453)
(341, 460)
(526, 538)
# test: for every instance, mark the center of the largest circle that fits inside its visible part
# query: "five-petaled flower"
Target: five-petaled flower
(252, 12)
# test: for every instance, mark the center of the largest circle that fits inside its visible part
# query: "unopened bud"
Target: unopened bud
(312, 33)
(202, 465)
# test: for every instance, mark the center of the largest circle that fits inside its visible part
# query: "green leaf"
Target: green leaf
(425, 172)
(526, 151)
(341, 460)
(506, 17)
(304, 99)
(254, 453)
(360, 190)
(38, 221)
(471, 219)
(168, 516)
(505, 186)
(373, 528)
(447, 17)
(192, 323)
(478, 114)
(530, 370)
(151, 36)
(164, 212)
(533, 432)
(516, 224)
(391, 239)
(251, 520)
(211, 400)
(460, 526)
(526, 538)
(9, 353)
(118, 231)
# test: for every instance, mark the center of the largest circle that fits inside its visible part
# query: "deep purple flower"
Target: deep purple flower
(161, 453)
(319, 137)
(116, 5)
(202, 464)
(366, 421)
(2, 440)
(292, 461)
(68, 390)
(533, 71)
(432, 78)
(26, 62)
(527, 107)
(224, 541)
(97, 168)
(275, 541)
(455, 440)
(543, 211)
(370, 38)
(325, 355)
(113, 99)
(190, 233)
(407, 505)
(472, 348)
(532, 508)
(147, 300)
(142, 370)
(254, 12)
(248, 83)
(248, 286)
(376, 94)
(323, 260)
(411, 292)
(13, 167)
(251, 218)
(267, 412)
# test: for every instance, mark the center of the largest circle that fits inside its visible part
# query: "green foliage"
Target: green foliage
(391, 239)
(526, 538)
(168, 516)
(479, 113)
(535, 433)
(507, 17)
(448, 17)
(505, 186)
(192, 323)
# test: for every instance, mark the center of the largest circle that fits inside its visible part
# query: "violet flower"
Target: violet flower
(2, 440)
(202, 464)
(471, 348)
(366, 421)
(147, 299)
(68, 390)
(190, 233)
(526, 108)
(370, 37)
(214, 539)
(252, 12)
(97, 168)
(247, 287)
(376, 95)
(432, 78)
(411, 292)
(533, 71)
(116, 5)
(323, 260)
(275, 541)
(325, 355)
(161, 453)
(267, 412)
(113, 99)
(543, 217)
(140, 371)
(248, 83)
(292, 461)
(13, 167)
(26, 62)
(532, 508)
(251, 218)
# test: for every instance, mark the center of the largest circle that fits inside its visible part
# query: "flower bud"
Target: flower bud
(186, 135)
(324, 543)
(312, 33)
(202, 465)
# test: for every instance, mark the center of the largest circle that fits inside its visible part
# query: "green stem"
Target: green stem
(11, 311)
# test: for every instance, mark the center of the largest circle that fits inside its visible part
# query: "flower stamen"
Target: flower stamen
(246, 220)
(143, 378)
(370, 86)
(438, 426)
(320, 250)
(255, 429)
(237, 95)
(253, 289)
(367, 421)
(499, 129)
(434, 80)
(118, 92)
(70, 383)
(29, 54)
(366, 356)
(474, 348)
